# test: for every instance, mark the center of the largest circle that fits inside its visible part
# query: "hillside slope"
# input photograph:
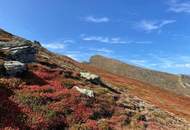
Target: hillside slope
(40, 90)
(171, 82)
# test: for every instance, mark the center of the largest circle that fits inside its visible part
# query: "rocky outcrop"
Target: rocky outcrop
(13, 68)
(91, 77)
(17, 48)
(23, 54)
(86, 92)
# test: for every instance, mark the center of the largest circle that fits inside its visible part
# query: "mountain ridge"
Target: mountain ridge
(161, 79)
(43, 90)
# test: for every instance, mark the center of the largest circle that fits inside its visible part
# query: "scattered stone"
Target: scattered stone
(14, 67)
(91, 77)
(86, 92)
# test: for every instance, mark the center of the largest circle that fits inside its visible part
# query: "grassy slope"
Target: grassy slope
(164, 99)
(39, 97)
(156, 78)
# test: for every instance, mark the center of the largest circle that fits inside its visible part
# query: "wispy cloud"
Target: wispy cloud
(102, 50)
(73, 56)
(161, 62)
(171, 62)
(54, 45)
(179, 7)
(148, 26)
(96, 19)
(57, 45)
(139, 62)
(113, 40)
(79, 55)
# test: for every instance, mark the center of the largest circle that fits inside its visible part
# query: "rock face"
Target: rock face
(16, 48)
(23, 54)
(91, 77)
(86, 92)
(14, 67)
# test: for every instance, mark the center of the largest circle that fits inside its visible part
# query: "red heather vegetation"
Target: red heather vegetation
(166, 100)
(44, 97)
(39, 99)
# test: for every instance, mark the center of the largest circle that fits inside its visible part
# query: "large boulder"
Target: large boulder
(91, 77)
(23, 54)
(86, 92)
(14, 68)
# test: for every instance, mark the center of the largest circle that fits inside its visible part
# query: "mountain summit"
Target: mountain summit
(40, 90)
(179, 84)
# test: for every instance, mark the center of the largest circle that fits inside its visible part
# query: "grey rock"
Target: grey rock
(14, 68)
(86, 92)
(91, 77)
(25, 54)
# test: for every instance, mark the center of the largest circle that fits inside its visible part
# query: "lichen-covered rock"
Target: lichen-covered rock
(91, 77)
(23, 54)
(14, 67)
(86, 92)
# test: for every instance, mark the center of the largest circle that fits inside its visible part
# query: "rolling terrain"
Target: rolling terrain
(175, 83)
(41, 90)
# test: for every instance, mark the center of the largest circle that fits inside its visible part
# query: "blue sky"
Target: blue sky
(148, 33)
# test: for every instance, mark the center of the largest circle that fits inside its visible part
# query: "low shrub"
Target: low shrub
(34, 102)
(103, 125)
(68, 83)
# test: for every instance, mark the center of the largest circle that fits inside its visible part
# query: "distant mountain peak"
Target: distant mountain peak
(160, 79)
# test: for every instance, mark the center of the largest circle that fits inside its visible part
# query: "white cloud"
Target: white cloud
(149, 26)
(102, 50)
(112, 40)
(139, 62)
(143, 42)
(175, 64)
(186, 65)
(58, 45)
(96, 19)
(54, 45)
(171, 62)
(179, 7)
(73, 56)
